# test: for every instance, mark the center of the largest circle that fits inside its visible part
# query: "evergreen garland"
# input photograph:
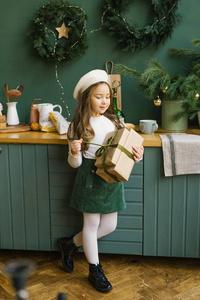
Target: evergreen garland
(44, 35)
(130, 36)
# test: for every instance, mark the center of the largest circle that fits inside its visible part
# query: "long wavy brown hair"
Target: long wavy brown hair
(80, 126)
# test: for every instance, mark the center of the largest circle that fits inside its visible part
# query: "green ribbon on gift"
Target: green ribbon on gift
(104, 149)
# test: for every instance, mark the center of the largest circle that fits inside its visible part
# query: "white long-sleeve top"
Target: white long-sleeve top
(101, 126)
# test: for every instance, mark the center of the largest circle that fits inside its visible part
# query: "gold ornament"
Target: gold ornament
(197, 96)
(63, 31)
(165, 89)
(157, 101)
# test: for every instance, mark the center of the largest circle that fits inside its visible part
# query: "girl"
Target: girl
(98, 200)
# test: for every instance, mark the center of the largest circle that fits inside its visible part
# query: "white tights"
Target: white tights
(94, 227)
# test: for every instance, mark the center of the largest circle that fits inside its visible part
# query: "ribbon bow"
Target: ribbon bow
(104, 149)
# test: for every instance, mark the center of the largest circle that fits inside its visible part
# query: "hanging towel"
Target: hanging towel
(181, 154)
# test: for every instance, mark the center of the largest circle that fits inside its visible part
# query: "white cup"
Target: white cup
(148, 126)
(44, 110)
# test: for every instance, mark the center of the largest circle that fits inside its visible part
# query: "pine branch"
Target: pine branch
(189, 109)
(154, 71)
(153, 89)
(119, 68)
(196, 42)
(156, 77)
(196, 69)
(194, 54)
(173, 90)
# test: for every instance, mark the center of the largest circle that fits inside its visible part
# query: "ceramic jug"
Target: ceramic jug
(34, 113)
(12, 115)
(45, 109)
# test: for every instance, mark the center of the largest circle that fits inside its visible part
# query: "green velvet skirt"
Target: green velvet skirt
(92, 194)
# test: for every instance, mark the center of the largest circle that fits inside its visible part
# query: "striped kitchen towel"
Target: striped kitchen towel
(181, 154)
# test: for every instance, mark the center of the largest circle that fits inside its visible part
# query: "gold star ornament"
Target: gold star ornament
(63, 31)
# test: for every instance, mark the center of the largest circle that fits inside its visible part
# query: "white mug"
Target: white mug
(44, 110)
(148, 126)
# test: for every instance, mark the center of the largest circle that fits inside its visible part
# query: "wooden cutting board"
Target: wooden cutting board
(15, 128)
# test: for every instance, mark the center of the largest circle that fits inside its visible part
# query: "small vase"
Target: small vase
(12, 115)
(169, 111)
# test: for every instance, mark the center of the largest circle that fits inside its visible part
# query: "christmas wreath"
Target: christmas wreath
(59, 31)
(130, 36)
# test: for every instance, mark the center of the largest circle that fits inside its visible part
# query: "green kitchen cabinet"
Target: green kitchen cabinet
(171, 210)
(162, 217)
(65, 221)
(24, 197)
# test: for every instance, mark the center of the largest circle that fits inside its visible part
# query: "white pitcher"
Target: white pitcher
(12, 115)
(44, 110)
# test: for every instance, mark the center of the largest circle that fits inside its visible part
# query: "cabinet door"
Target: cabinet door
(171, 210)
(128, 236)
(65, 221)
(24, 200)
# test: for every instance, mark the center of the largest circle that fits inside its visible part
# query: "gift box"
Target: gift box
(115, 159)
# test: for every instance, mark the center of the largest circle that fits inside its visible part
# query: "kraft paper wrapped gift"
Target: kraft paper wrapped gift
(116, 162)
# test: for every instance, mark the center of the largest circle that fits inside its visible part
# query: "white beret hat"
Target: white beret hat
(89, 79)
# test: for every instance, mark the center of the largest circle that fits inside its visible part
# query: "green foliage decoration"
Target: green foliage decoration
(190, 85)
(45, 37)
(129, 35)
(155, 80)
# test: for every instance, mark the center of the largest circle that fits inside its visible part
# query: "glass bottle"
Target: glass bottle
(117, 112)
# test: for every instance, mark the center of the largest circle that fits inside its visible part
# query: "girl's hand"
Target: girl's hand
(138, 152)
(76, 147)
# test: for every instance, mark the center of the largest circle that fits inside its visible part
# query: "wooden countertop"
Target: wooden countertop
(33, 137)
(38, 137)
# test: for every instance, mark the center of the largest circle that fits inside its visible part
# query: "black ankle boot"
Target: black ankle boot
(98, 279)
(67, 250)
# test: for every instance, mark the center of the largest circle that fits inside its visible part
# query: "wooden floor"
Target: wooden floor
(132, 277)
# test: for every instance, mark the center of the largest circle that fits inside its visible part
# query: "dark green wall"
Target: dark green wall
(18, 65)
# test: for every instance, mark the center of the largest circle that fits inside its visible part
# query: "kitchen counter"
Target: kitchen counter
(33, 137)
(38, 137)
(36, 184)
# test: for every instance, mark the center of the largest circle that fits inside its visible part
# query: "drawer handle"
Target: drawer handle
(0, 150)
